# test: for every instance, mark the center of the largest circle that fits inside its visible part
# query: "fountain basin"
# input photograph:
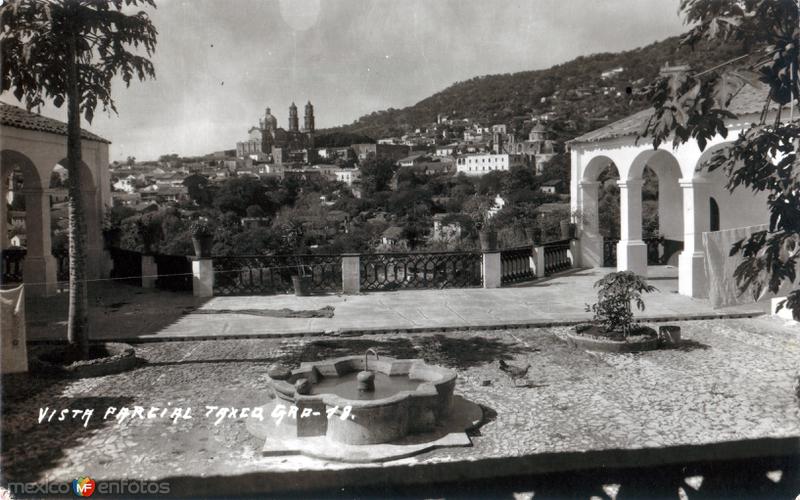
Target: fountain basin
(410, 397)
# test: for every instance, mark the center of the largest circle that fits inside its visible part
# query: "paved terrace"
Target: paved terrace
(124, 312)
(728, 391)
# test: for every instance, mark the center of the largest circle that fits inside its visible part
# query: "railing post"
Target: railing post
(492, 269)
(575, 253)
(202, 277)
(538, 262)
(149, 271)
(351, 273)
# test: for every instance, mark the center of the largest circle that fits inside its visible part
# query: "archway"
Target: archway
(21, 188)
(662, 205)
(599, 193)
(713, 212)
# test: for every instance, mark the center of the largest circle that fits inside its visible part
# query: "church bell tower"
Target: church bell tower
(294, 124)
(308, 120)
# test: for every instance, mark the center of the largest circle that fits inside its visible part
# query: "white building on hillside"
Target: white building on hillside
(347, 175)
(480, 164)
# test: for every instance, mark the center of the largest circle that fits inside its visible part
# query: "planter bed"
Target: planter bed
(590, 338)
(105, 359)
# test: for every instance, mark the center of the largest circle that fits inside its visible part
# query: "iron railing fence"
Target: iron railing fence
(174, 272)
(272, 274)
(397, 271)
(126, 266)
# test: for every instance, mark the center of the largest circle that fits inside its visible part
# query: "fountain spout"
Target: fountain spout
(365, 378)
(369, 350)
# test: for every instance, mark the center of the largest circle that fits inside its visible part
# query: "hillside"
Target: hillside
(573, 91)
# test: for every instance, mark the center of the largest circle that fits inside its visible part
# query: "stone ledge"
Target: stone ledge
(406, 474)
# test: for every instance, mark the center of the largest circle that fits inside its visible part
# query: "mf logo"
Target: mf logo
(83, 486)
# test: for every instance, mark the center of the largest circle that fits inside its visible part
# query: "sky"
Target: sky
(220, 63)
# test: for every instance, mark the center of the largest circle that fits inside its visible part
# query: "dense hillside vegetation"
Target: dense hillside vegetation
(574, 91)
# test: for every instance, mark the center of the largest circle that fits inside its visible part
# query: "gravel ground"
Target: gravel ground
(731, 380)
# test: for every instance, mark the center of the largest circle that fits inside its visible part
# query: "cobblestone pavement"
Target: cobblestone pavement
(731, 380)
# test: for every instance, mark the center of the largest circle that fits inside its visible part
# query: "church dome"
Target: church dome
(270, 121)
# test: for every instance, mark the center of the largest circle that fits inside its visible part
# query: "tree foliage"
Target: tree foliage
(70, 51)
(36, 53)
(764, 157)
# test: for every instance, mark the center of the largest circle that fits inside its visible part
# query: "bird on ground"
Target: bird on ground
(514, 372)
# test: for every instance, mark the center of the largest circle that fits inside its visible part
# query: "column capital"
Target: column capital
(588, 184)
(630, 183)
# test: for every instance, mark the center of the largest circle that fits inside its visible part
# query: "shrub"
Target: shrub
(201, 228)
(616, 291)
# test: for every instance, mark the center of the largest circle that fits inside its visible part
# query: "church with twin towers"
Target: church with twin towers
(268, 142)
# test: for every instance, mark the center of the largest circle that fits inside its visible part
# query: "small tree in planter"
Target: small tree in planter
(202, 238)
(613, 315)
(617, 291)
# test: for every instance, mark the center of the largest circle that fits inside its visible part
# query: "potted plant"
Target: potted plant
(612, 328)
(202, 238)
(487, 232)
(301, 279)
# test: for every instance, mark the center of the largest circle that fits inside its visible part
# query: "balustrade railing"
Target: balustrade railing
(659, 251)
(12, 261)
(516, 265)
(396, 271)
(556, 257)
(270, 274)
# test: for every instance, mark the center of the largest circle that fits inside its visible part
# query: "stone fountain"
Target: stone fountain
(355, 409)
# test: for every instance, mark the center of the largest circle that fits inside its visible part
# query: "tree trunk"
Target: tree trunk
(77, 326)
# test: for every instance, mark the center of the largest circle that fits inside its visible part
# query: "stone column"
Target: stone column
(631, 250)
(39, 268)
(351, 273)
(591, 241)
(149, 271)
(492, 270)
(691, 262)
(202, 277)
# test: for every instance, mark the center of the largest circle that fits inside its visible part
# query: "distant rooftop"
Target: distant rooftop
(749, 101)
(13, 116)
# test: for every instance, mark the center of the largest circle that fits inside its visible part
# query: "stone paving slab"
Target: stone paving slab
(149, 315)
(729, 389)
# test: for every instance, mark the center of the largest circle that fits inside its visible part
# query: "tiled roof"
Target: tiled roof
(13, 116)
(749, 101)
